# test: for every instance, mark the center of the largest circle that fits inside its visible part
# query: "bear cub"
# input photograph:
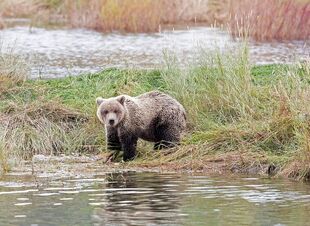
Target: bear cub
(152, 116)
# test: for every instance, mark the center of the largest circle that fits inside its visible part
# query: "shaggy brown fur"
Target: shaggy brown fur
(152, 116)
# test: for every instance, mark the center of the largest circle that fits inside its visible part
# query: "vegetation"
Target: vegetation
(239, 117)
(261, 20)
(266, 20)
(13, 69)
(108, 15)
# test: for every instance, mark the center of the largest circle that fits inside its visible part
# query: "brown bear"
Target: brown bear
(152, 116)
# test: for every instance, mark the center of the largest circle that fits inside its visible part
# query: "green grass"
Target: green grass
(238, 114)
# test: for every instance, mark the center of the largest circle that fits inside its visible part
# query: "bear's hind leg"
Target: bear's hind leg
(167, 137)
(113, 141)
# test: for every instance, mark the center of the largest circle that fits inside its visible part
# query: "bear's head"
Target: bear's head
(111, 111)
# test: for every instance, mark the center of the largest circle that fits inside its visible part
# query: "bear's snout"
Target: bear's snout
(111, 119)
(111, 122)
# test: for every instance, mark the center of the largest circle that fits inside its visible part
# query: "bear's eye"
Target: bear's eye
(105, 112)
(115, 111)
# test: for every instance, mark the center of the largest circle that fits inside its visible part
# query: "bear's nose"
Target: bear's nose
(111, 122)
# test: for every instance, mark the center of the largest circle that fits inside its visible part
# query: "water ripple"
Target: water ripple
(131, 198)
(58, 53)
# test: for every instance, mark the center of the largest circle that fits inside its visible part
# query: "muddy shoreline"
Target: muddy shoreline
(43, 167)
(80, 190)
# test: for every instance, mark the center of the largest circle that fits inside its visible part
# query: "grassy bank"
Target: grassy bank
(240, 117)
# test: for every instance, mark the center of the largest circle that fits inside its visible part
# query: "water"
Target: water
(61, 52)
(141, 198)
(144, 198)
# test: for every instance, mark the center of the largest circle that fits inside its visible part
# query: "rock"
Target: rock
(40, 158)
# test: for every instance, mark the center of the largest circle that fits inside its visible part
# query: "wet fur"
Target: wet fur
(153, 116)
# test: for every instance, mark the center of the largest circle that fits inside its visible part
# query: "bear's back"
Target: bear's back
(159, 106)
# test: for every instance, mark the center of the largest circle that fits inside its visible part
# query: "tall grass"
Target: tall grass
(109, 15)
(40, 128)
(219, 89)
(231, 110)
(30, 124)
(262, 20)
(13, 68)
(133, 15)
(266, 20)
(12, 65)
(2, 25)
(218, 11)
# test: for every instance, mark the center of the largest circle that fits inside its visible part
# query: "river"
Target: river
(63, 52)
(148, 198)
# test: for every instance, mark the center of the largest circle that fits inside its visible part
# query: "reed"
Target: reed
(2, 24)
(108, 15)
(262, 20)
(265, 20)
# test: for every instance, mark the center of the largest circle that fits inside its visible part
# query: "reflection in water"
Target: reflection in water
(136, 199)
(131, 198)
(57, 53)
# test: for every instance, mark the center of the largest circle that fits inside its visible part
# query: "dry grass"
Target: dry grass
(13, 68)
(40, 128)
(218, 11)
(266, 20)
(262, 20)
(109, 15)
(30, 126)
(29, 8)
(17, 8)
(133, 15)
(12, 65)
(41, 12)
(2, 24)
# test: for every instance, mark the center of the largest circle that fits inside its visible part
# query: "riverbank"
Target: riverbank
(241, 118)
(88, 193)
(255, 19)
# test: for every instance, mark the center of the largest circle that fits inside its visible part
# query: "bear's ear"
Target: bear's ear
(99, 100)
(121, 99)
